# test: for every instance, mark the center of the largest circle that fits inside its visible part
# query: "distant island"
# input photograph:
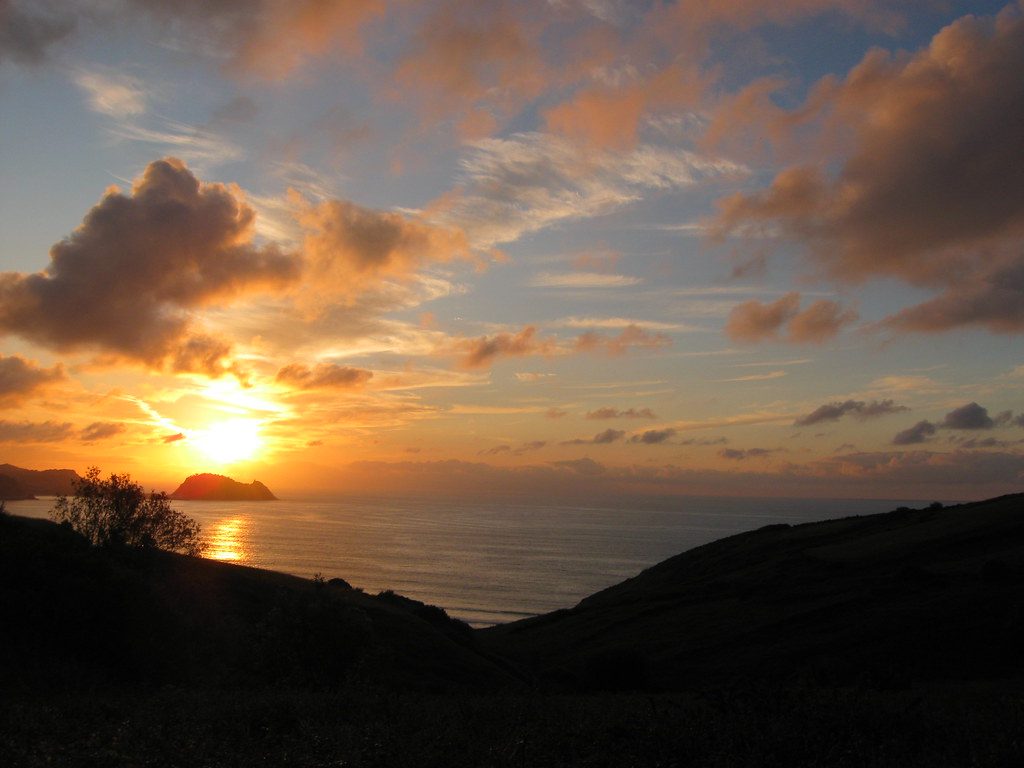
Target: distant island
(210, 487)
(17, 483)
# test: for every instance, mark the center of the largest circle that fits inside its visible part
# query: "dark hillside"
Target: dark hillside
(934, 594)
(78, 617)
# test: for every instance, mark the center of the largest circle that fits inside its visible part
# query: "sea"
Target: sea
(483, 562)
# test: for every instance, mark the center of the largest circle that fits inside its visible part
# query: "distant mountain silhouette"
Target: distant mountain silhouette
(27, 483)
(209, 487)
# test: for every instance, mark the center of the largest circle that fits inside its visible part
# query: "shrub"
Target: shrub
(118, 511)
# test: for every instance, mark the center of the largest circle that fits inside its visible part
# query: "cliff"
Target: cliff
(209, 487)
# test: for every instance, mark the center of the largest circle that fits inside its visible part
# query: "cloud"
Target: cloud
(619, 322)
(970, 416)
(585, 466)
(471, 62)
(936, 202)
(101, 430)
(737, 454)
(858, 408)
(533, 445)
(555, 413)
(705, 441)
(323, 376)
(25, 36)
(919, 433)
(21, 378)
(481, 352)
(268, 38)
(531, 377)
(173, 438)
(653, 436)
(112, 93)
(758, 376)
(349, 247)
(582, 280)
(126, 280)
(820, 322)
(753, 321)
(615, 413)
(32, 432)
(527, 182)
(601, 438)
(630, 336)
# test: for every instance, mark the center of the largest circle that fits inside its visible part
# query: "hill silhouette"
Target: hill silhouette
(892, 599)
(889, 639)
(26, 483)
(210, 487)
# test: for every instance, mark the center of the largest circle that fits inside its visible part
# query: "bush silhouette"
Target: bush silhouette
(118, 511)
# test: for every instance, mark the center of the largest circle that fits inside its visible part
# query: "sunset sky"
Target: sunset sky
(566, 249)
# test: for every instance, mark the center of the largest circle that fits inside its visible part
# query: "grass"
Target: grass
(785, 727)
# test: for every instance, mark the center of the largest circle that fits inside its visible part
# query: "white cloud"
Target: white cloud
(582, 280)
(529, 181)
(619, 322)
(758, 376)
(116, 95)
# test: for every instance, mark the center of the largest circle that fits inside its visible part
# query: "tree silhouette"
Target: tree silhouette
(118, 511)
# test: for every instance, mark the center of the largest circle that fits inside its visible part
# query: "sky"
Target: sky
(544, 249)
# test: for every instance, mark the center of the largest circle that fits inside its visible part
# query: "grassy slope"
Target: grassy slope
(884, 599)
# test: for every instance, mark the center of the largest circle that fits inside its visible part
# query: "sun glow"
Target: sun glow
(228, 441)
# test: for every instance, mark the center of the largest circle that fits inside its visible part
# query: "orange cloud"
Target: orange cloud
(481, 352)
(271, 38)
(349, 247)
(753, 321)
(323, 376)
(630, 336)
(470, 60)
(930, 200)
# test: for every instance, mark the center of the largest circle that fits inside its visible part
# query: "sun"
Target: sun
(226, 442)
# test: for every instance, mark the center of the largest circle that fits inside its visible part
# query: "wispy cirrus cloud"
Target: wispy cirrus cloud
(582, 280)
(530, 181)
(112, 93)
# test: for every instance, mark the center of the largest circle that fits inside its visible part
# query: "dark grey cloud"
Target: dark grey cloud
(126, 280)
(858, 408)
(918, 433)
(21, 378)
(27, 30)
(705, 441)
(585, 466)
(653, 436)
(970, 416)
(615, 413)
(601, 438)
(738, 454)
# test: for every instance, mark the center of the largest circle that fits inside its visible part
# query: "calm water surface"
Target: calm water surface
(485, 563)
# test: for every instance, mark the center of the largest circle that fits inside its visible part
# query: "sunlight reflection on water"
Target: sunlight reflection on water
(226, 540)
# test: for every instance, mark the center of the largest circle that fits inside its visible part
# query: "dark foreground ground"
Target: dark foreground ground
(889, 640)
